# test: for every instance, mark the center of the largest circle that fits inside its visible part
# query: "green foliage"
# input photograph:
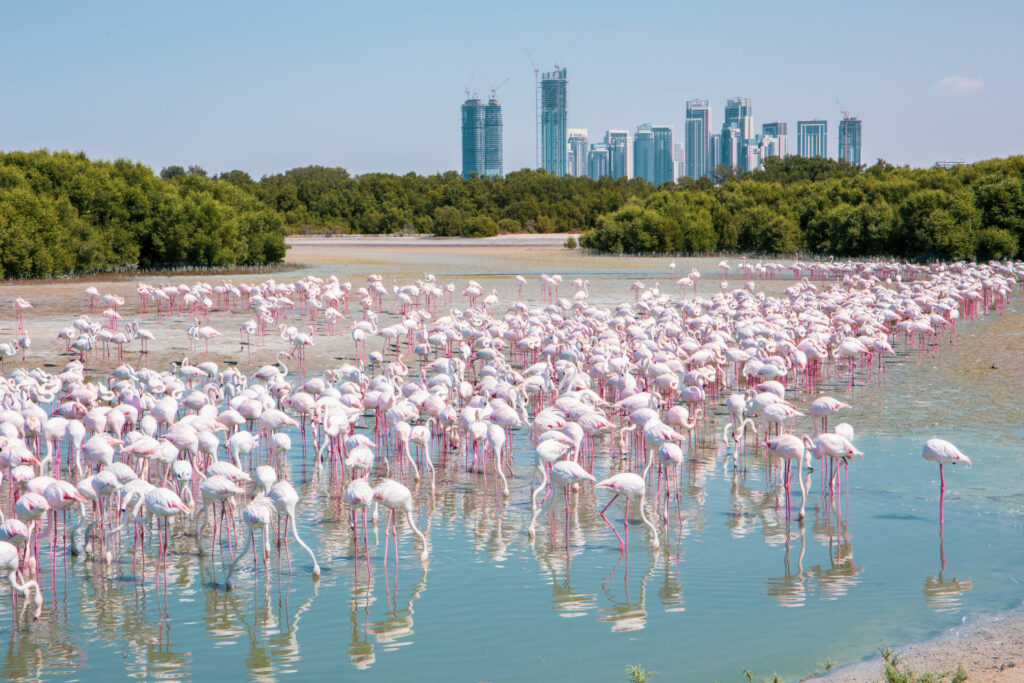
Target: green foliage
(61, 213)
(637, 674)
(828, 207)
(897, 672)
(570, 243)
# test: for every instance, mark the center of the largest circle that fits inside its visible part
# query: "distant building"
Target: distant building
(598, 161)
(731, 149)
(679, 160)
(698, 129)
(752, 157)
(578, 149)
(768, 146)
(949, 164)
(739, 114)
(643, 153)
(620, 151)
(472, 137)
(664, 168)
(492, 139)
(849, 140)
(714, 152)
(812, 138)
(777, 130)
(553, 130)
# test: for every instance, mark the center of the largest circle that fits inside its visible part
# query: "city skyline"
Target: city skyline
(292, 88)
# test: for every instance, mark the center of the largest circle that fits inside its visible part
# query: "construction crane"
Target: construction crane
(536, 100)
(846, 114)
(494, 90)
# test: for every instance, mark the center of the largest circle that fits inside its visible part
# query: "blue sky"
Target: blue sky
(267, 86)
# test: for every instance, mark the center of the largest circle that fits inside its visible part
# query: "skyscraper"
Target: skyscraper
(620, 153)
(849, 139)
(492, 139)
(739, 114)
(598, 163)
(472, 137)
(643, 152)
(714, 152)
(812, 138)
(553, 131)
(664, 165)
(698, 130)
(731, 149)
(777, 130)
(577, 151)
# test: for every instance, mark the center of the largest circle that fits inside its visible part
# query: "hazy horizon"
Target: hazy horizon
(378, 88)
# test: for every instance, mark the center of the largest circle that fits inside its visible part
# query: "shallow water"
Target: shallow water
(734, 586)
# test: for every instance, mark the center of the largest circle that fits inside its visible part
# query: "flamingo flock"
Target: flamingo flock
(200, 452)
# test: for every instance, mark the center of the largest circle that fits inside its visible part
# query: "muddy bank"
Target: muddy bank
(989, 646)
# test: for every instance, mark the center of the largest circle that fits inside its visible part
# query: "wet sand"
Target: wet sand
(989, 646)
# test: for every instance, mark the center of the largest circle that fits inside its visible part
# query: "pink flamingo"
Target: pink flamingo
(944, 453)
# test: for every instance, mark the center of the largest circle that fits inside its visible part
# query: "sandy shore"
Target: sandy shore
(518, 240)
(989, 646)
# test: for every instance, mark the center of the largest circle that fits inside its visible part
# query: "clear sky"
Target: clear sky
(377, 86)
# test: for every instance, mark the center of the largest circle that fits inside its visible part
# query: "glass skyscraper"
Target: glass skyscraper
(731, 149)
(812, 138)
(664, 164)
(698, 132)
(714, 152)
(849, 140)
(553, 130)
(492, 138)
(598, 161)
(739, 114)
(577, 158)
(643, 153)
(777, 130)
(472, 137)
(620, 153)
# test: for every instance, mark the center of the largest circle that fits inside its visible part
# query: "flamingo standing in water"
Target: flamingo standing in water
(632, 487)
(944, 453)
(9, 568)
(396, 496)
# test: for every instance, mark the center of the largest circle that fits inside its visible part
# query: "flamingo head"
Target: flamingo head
(961, 458)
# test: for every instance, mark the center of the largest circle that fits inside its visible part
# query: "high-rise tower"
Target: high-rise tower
(643, 152)
(578, 149)
(664, 165)
(777, 130)
(492, 139)
(553, 130)
(620, 153)
(698, 132)
(812, 138)
(849, 139)
(472, 137)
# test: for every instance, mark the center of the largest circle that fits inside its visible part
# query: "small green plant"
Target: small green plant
(637, 674)
(570, 242)
(897, 672)
(749, 674)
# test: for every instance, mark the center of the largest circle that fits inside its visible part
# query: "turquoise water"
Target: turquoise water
(735, 586)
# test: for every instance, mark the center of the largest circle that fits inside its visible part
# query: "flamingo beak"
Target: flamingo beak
(964, 459)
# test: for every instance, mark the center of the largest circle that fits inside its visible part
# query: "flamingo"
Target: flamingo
(944, 453)
(632, 487)
(396, 496)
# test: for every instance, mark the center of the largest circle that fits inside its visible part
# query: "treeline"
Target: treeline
(63, 213)
(822, 206)
(330, 200)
